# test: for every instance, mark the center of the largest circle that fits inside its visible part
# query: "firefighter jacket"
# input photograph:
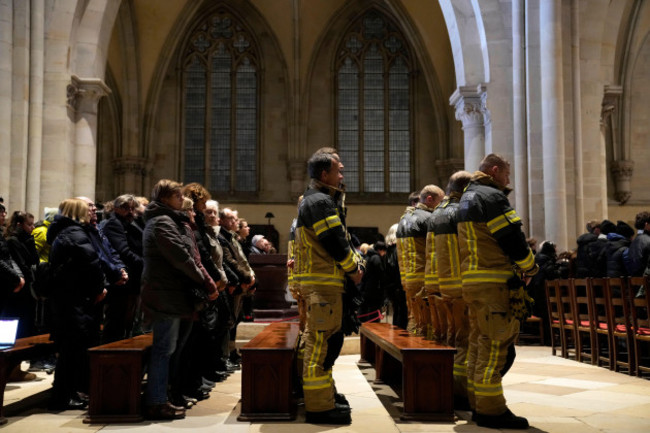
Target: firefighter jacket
(442, 239)
(412, 243)
(402, 244)
(322, 250)
(489, 234)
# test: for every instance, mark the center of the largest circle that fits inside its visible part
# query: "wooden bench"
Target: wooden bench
(116, 371)
(425, 367)
(24, 349)
(267, 374)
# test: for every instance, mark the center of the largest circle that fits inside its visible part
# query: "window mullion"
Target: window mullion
(386, 125)
(362, 127)
(208, 124)
(233, 125)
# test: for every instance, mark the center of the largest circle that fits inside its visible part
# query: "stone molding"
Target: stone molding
(471, 105)
(622, 172)
(81, 91)
(131, 165)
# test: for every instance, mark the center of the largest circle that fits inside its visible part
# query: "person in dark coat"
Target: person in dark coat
(393, 283)
(22, 248)
(122, 301)
(372, 288)
(638, 254)
(546, 259)
(169, 274)
(617, 244)
(11, 278)
(584, 241)
(80, 287)
(598, 251)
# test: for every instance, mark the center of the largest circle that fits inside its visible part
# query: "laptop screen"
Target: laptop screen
(8, 330)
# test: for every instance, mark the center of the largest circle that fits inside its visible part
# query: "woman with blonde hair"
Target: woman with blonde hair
(80, 287)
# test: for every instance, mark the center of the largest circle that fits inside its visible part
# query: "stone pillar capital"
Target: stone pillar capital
(622, 171)
(471, 106)
(83, 94)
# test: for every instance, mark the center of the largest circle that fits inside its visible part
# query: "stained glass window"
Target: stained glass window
(220, 105)
(373, 103)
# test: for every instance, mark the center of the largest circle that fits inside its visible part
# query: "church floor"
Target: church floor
(555, 394)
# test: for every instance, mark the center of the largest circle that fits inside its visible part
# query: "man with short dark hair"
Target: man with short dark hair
(491, 245)
(322, 242)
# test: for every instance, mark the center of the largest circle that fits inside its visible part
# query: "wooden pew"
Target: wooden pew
(116, 371)
(267, 374)
(426, 369)
(24, 349)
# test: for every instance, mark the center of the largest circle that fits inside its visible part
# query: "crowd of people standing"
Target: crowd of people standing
(175, 266)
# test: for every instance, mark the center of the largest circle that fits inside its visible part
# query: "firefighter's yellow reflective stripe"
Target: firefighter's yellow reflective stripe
(412, 257)
(319, 382)
(430, 279)
(492, 361)
(488, 389)
(315, 355)
(486, 276)
(460, 370)
(449, 283)
(453, 252)
(470, 384)
(326, 223)
(348, 264)
(472, 246)
(502, 221)
(528, 262)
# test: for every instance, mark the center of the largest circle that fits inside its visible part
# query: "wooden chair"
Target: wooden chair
(568, 319)
(618, 312)
(599, 305)
(552, 300)
(585, 328)
(641, 323)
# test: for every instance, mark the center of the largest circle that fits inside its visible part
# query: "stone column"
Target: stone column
(6, 67)
(83, 97)
(519, 115)
(471, 110)
(35, 132)
(555, 208)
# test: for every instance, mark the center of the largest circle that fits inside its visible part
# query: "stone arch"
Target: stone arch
(468, 40)
(318, 87)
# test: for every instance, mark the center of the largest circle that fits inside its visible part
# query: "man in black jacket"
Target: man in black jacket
(122, 302)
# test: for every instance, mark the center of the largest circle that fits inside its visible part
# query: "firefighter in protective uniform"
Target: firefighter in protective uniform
(411, 250)
(493, 249)
(323, 258)
(446, 258)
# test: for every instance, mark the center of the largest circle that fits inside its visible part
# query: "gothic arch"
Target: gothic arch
(274, 90)
(318, 116)
(468, 40)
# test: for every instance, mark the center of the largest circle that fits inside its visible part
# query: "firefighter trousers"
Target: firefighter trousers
(492, 331)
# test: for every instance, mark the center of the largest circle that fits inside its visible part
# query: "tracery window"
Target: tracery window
(220, 105)
(374, 105)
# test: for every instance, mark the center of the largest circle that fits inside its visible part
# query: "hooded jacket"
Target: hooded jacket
(412, 246)
(322, 248)
(489, 234)
(442, 239)
(79, 279)
(169, 267)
